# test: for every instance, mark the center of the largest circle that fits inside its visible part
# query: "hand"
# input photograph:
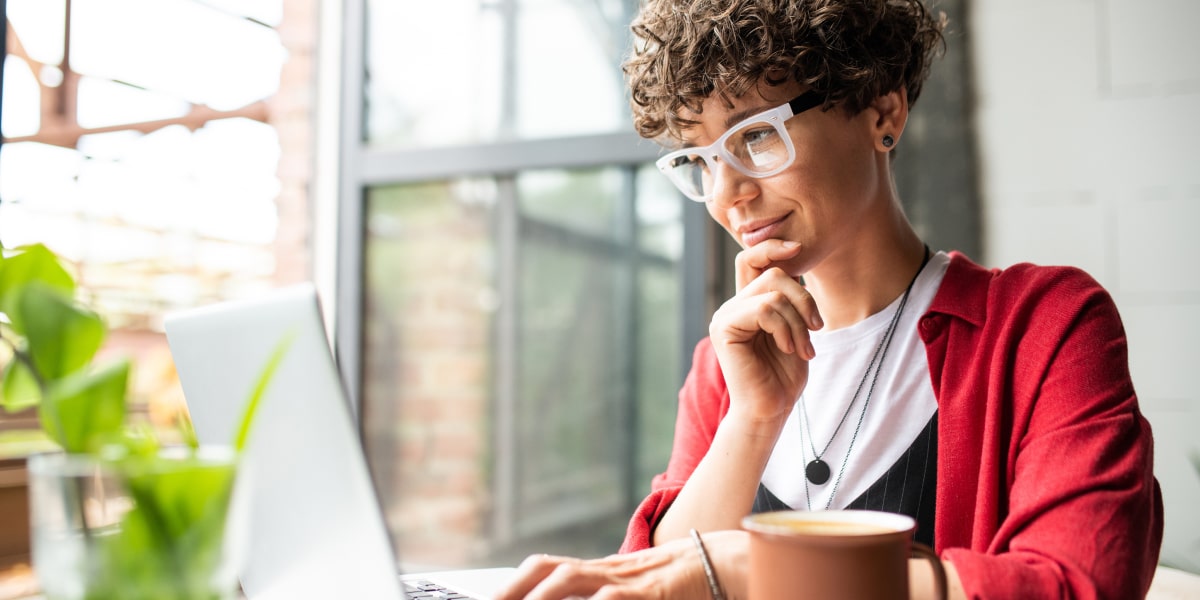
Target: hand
(760, 335)
(672, 570)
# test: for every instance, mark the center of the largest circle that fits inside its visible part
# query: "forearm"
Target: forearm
(721, 490)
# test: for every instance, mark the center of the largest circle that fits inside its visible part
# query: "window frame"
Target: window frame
(347, 166)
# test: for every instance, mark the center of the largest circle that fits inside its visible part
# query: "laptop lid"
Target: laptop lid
(316, 528)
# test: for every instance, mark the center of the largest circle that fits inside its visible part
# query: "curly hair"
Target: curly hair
(851, 51)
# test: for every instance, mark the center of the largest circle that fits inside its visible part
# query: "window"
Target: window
(149, 156)
(521, 326)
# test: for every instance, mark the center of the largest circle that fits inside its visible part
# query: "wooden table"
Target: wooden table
(16, 579)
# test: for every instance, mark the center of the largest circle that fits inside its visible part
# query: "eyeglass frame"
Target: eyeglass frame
(776, 117)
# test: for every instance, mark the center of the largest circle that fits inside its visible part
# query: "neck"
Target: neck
(862, 278)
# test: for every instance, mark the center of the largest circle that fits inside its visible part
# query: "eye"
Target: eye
(753, 139)
(688, 161)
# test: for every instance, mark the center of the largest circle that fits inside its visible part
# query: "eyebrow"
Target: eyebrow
(746, 113)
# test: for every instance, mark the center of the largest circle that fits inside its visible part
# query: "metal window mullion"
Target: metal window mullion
(380, 166)
(351, 198)
(630, 299)
(508, 344)
(506, 370)
(560, 236)
(694, 282)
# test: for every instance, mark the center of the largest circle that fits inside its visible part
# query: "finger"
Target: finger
(570, 579)
(530, 573)
(751, 262)
(778, 318)
(775, 279)
(770, 313)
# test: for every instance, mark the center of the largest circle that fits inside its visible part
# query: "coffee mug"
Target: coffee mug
(834, 555)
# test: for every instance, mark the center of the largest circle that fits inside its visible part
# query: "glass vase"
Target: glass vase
(170, 526)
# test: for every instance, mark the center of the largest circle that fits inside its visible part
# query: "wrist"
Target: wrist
(714, 585)
(728, 552)
(754, 424)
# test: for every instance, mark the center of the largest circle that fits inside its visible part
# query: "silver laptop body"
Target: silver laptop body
(316, 529)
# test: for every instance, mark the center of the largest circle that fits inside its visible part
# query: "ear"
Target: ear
(889, 114)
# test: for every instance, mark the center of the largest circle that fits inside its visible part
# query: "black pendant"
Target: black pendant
(817, 471)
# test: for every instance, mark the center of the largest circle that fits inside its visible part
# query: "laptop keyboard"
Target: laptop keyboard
(421, 589)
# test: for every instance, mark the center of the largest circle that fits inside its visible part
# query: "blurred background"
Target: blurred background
(512, 288)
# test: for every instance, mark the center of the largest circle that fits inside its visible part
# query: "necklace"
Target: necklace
(817, 470)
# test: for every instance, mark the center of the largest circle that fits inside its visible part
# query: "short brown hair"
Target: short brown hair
(852, 51)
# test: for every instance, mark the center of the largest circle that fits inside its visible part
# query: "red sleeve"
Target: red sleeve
(1075, 511)
(703, 402)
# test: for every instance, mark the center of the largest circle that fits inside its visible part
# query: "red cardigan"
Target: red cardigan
(1045, 484)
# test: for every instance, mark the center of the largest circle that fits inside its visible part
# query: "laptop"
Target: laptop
(316, 528)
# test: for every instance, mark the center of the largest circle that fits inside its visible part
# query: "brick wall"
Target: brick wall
(427, 378)
(292, 113)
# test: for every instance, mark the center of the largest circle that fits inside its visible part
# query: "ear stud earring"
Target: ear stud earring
(888, 141)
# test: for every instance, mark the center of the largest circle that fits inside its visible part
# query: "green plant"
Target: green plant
(170, 540)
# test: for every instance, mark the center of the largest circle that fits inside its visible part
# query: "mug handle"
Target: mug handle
(939, 572)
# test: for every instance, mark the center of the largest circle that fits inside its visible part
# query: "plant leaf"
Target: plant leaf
(260, 387)
(85, 409)
(170, 544)
(29, 264)
(61, 335)
(20, 389)
(183, 421)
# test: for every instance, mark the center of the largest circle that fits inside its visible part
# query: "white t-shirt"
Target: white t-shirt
(900, 406)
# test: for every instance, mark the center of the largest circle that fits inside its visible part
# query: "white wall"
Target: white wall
(1089, 130)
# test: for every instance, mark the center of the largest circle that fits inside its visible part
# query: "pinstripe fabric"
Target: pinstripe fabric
(907, 488)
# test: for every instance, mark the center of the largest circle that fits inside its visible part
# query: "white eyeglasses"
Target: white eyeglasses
(757, 147)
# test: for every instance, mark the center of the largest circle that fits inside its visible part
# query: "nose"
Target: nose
(730, 186)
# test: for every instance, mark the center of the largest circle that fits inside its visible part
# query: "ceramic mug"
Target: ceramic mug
(834, 555)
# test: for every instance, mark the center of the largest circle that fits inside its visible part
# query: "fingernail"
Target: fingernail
(810, 351)
(817, 321)
(791, 244)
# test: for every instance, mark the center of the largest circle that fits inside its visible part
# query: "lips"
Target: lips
(755, 232)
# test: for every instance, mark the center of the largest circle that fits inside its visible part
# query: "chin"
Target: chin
(795, 267)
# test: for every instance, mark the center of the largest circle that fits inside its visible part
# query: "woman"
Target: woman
(855, 368)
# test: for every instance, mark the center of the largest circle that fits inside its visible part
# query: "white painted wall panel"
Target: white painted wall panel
(1088, 127)
(1159, 244)
(1153, 43)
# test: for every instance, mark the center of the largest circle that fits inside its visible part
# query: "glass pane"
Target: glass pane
(569, 79)
(659, 214)
(200, 54)
(582, 201)
(168, 207)
(661, 367)
(22, 103)
(263, 11)
(103, 103)
(430, 300)
(573, 393)
(155, 205)
(512, 78)
(409, 98)
(38, 23)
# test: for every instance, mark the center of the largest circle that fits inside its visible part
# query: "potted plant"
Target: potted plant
(116, 513)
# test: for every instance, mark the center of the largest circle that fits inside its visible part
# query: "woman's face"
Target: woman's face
(823, 200)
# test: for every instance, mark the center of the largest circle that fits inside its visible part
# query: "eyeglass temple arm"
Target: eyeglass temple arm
(805, 101)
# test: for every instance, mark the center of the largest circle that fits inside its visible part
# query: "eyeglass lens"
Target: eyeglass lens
(755, 147)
